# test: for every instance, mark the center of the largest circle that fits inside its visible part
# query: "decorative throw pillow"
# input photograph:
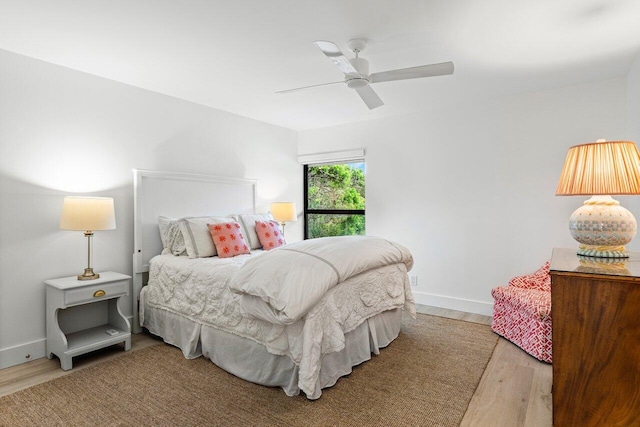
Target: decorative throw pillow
(196, 235)
(228, 239)
(269, 234)
(248, 222)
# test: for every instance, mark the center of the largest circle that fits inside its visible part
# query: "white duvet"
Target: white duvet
(285, 283)
(199, 290)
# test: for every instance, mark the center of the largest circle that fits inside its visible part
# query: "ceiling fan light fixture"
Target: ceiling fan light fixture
(356, 82)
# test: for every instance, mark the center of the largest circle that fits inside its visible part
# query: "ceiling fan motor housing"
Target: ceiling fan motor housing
(362, 78)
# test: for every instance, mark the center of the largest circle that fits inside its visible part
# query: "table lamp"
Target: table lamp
(87, 214)
(284, 212)
(600, 169)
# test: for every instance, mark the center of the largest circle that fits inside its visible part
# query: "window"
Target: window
(334, 199)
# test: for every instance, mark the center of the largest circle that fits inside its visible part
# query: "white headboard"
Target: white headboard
(177, 195)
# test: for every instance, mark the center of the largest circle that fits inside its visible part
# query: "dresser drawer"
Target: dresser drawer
(96, 292)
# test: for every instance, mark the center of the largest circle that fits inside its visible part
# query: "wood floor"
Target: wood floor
(515, 389)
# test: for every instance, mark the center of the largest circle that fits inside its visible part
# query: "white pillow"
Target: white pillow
(248, 223)
(163, 225)
(171, 235)
(196, 235)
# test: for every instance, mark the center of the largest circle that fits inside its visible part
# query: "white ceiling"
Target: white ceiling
(235, 54)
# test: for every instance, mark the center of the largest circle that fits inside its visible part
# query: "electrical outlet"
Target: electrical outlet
(413, 280)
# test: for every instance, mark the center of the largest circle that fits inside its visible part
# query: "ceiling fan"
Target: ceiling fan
(356, 71)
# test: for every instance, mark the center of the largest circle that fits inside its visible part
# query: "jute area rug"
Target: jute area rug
(426, 377)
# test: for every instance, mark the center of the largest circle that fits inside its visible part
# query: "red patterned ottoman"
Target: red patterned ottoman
(522, 312)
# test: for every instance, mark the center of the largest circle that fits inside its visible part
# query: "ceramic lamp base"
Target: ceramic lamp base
(602, 227)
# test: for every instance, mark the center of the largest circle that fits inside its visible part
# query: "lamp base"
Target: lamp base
(603, 251)
(88, 275)
(602, 227)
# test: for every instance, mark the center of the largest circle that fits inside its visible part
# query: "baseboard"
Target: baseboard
(23, 353)
(450, 303)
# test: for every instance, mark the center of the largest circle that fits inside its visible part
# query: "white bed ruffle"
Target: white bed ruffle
(251, 361)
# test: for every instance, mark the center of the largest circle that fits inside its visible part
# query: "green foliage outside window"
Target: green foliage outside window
(323, 225)
(336, 187)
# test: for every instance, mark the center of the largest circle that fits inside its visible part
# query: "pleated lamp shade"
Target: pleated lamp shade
(601, 168)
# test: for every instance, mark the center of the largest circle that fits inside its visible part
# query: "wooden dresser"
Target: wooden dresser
(595, 307)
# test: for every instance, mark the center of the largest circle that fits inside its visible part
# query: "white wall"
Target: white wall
(470, 191)
(633, 96)
(633, 102)
(64, 132)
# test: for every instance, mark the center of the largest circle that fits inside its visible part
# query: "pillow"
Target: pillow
(227, 237)
(248, 222)
(269, 234)
(196, 235)
(236, 218)
(171, 236)
(163, 224)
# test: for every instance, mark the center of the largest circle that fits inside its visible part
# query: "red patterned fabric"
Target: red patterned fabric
(269, 234)
(522, 313)
(538, 280)
(228, 239)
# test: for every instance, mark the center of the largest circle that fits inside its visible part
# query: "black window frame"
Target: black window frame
(307, 211)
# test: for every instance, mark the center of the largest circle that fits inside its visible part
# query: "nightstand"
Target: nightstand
(84, 316)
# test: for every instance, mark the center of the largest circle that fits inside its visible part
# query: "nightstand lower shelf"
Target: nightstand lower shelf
(94, 339)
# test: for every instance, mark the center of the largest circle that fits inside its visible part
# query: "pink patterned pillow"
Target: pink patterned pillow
(227, 237)
(269, 234)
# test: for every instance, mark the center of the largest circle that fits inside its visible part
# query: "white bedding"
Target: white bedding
(198, 289)
(285, 283)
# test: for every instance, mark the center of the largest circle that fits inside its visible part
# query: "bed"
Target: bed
(248, 313)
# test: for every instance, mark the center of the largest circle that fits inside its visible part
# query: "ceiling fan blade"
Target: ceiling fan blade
(431, 70)
(280, 92)
(333, 52)
(369, 96)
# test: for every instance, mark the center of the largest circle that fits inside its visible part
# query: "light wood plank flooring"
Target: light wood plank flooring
(515, 389)
(41, 370)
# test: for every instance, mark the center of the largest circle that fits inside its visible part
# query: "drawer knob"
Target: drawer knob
(99, 293)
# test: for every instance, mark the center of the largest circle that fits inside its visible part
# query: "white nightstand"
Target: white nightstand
(83, 316)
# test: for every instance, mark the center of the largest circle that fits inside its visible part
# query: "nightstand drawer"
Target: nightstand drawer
(96, 292)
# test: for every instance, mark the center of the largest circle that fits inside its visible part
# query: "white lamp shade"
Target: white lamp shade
(87, 214)
(284, 211)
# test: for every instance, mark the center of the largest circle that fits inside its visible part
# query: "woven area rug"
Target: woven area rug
(427, 377)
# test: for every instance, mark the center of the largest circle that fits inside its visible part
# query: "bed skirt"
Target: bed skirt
(251, 361)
